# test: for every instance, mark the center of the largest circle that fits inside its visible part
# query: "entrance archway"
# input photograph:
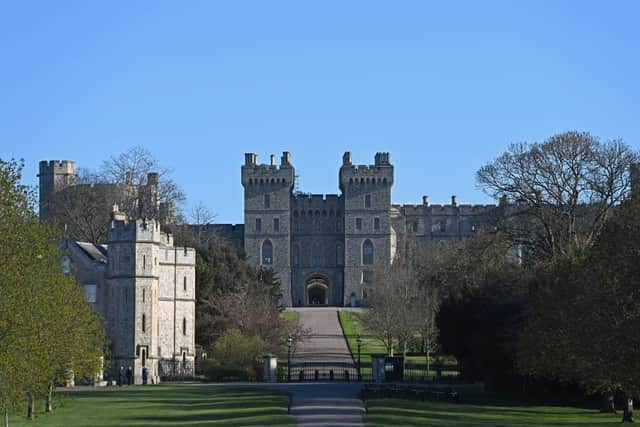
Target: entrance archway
(317, 290)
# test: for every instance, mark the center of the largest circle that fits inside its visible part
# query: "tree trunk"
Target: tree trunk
(627, 414)
(48, 405)
(6, 417)
(30, 408)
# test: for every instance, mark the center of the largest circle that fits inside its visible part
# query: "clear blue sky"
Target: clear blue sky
(445, 87)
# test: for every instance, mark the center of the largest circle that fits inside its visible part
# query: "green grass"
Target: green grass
(351, 327)
(290, 316)
(164, 405)
(393, 412)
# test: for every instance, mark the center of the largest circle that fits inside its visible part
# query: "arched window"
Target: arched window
(184, 326)
(367, 252)
(267, 252)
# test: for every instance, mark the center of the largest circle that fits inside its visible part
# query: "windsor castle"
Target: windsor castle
(323, 248)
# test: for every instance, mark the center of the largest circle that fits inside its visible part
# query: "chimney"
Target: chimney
(273, 160)
(453, 201)
(346, 158)
(285, 160)
(425, 200)
(152, 178)
(250, 159)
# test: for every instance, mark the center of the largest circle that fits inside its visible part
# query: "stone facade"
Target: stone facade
(144, 287)
(324, 248)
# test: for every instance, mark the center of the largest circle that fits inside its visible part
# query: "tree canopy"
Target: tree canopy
(46, 327)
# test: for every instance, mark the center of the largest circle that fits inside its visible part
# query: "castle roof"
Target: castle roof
(96, 252)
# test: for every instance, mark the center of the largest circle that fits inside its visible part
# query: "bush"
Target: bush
(234, 356)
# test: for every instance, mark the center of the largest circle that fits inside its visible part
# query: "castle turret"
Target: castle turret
(54, 175)
(267, 216)
(367, 199)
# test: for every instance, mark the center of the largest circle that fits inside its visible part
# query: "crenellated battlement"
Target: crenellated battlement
(57, 167)
(254, 174)
(380, 173)
(140, 230)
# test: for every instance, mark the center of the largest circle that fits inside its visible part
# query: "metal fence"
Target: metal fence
(175, 370)
(345, 371)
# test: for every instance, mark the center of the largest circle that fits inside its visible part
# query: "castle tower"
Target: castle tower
(54, 175)
(267, 216)
(367, 201)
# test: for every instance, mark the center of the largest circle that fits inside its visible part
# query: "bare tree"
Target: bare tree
(133, 166)
(392, 305)
(564, 188)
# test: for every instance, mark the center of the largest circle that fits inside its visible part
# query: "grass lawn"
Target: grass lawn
(351, 327)
(392, 412)
(164, 405)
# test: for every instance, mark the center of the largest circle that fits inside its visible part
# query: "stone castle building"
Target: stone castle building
(59, 189)
(324, 248)
(144, 288)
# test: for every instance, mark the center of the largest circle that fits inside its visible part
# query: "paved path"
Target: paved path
(326, 342)
(324, 404)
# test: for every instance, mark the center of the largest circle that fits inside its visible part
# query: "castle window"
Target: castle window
(367, 200)
(443, 226)
(367, 252)
(267, 201)
(316, 254)
(339, 254)
(258, 225)
(338, 226)
(267, 252)
(65, 264)
(414, 227)
(144, 261)
(473, 228)
(358, 224)
(144, 323)
(316, 225)
(276, 224)
(184, 326)
(376, 223)
(144, 294)
(184, 283)
(367, 277)
(90, 292)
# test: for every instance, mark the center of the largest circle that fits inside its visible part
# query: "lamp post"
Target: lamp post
(359, 341)
(289, 342)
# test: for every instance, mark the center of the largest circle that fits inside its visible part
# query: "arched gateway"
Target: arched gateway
(317, 287)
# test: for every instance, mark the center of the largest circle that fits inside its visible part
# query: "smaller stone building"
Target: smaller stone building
(144, 287)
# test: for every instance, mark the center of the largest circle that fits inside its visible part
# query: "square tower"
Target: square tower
(366, 190)
(267, 216)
